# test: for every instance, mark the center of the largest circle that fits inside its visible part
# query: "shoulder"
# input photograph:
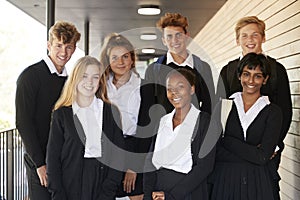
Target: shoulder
(32, 70)
(276, 64)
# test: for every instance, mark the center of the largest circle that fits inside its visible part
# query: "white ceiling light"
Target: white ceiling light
(148, 36)
(148, 50)
(149, 10)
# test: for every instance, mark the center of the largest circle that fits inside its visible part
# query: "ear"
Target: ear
(163, 41)
(265, 81)
(263, 39)
(237, 42)
(48, 45)
(192, 90)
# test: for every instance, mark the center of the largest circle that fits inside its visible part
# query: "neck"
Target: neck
(84, 101)
(180, 114)
(249, 100)
(119, 80)
(180, 58)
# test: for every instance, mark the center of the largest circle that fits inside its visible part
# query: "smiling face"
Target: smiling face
(60, 53)
(250, 39)
(179, 91)
(120, 61)
(89, 84)
(252, 80)
(175, 38)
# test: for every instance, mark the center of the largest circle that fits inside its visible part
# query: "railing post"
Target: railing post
(10, 165)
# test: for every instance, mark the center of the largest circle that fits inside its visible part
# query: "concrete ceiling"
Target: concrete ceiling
(106, 16)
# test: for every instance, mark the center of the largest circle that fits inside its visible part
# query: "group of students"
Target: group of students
(104, 132)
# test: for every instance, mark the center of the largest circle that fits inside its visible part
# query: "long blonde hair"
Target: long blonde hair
(69, 91)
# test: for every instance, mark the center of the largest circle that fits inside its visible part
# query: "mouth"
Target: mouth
(176, 100)
(251, 86)
(88, 87)
(250, 46)
(62, 58)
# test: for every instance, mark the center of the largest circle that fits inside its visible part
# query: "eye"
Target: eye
(96, 77)
(178, 35)
(114, 58)
(245, 74)
(169, 37)
(258, 76)
(126, 56)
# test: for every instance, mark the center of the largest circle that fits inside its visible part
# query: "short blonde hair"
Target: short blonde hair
(250, 20)
(173, 19)
(69, 91)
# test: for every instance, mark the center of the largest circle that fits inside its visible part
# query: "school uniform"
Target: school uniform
(133, 101)
(243, 169)
(277, 89)
(173, 164)
(38, 88)
(75, 172)
(204, 89)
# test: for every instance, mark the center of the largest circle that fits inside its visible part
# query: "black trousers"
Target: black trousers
(36, 190)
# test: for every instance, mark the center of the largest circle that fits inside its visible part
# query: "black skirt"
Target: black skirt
(236, 181)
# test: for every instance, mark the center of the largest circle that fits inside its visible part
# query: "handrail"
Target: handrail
(12, 172)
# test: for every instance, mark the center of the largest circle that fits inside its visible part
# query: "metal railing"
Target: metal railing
(12, 173)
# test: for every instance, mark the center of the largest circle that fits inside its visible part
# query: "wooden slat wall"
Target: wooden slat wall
(282, 18)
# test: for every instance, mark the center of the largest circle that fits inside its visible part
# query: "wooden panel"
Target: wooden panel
(287, 37)
(282, 18)
(294, 75)
(296, 101)
(293, 61)
(286, 50)
(296, 115)
(291, 152)
(292, 140)
(294, 129)
(289, 191)
(289, 165)
(295, 87)
(288, 177)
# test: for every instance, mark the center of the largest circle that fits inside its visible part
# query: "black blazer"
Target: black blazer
(65, 154)
(277, 89)
(194, 182)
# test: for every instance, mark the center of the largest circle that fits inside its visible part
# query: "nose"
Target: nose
(63, 50)
(120, 60)
(251, 79)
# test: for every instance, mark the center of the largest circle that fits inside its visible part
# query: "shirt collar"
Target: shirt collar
(52, 67)
(95, 105)
(188, 61)
(189, 120)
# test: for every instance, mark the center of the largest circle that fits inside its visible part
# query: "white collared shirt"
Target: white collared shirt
(128, 99)
(52, 67)
(91, 119)
(173, 147)
(187, 62)
(248, 117)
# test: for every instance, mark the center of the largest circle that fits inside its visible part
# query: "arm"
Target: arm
(222, 85)
(53, 158)
(258, 154)
(196, 176)
(115, 158)
(27, 89)
(284, 102)
(149, 177)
